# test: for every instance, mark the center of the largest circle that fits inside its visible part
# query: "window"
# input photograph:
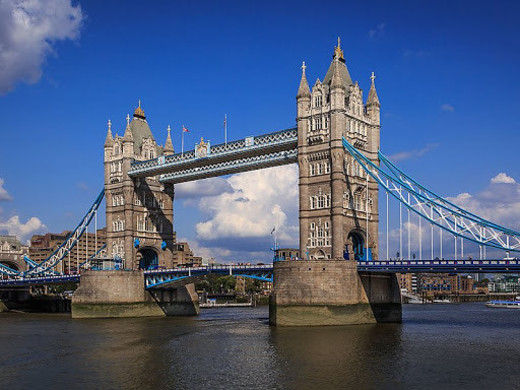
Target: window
(320, 169)
(313, 202)
(327, 167)
(318, 100)
(312, 170)
(118, 226)
(321, 202)
(317, 123)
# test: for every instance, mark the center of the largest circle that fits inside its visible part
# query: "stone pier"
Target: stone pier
(331, 292)
(104, 294)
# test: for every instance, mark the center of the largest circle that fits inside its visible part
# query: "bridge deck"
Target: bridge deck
(161, 277)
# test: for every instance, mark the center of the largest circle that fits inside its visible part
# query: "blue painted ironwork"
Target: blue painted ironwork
(39, 280)
(250, 163)
(238, 156)
(164, 277)
(441, 266)
(434, 209)
(161, 278)
(50, 262)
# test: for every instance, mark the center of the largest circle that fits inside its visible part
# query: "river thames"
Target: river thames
(457, 346)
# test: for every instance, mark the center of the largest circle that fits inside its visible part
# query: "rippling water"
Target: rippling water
(464, 346)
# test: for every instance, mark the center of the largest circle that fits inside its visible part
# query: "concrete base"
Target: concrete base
(331, 292)
(104, 294)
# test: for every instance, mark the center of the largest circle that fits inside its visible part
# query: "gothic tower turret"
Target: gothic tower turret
(338, 204)
(139, 212)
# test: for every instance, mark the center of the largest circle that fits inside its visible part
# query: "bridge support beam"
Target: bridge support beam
(331, 292)
(108, 294)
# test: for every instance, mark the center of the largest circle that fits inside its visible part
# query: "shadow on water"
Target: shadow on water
(338, 357)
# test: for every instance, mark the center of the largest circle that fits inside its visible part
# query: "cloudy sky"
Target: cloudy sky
(447, 77)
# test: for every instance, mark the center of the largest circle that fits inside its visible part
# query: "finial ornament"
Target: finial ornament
(139, 103)
(373, 77)
(338, 53)
(304, 66)
(128, 119)
(169, 129)
(109, 125)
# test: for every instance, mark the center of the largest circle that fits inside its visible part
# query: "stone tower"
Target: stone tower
(139, 212)
(338, 204)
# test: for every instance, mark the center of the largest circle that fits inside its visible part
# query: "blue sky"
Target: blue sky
(447, 77)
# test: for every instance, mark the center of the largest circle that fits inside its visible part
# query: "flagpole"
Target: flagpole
(225, 129)
(182, 142)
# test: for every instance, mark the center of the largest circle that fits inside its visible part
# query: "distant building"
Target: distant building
(432, 285)
(505, 284)
(407, 282)
(287, 253)
(240, 286)
(12, 253)
(183, 255)
(43, 246)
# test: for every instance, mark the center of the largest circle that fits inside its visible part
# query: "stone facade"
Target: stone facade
(139, 212)
(12, 253)
(338, 203)
(103, 294)
(331, 292)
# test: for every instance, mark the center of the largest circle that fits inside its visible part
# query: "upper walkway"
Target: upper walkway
(250, 153)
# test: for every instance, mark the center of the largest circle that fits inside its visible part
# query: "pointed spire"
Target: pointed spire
(168, 145)
(372, 94)
(304, 90)
(128, 132)
(109, 140)
(336, 81)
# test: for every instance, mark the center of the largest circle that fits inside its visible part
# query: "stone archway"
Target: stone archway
(148, 259)
(357, 241)
(320, 255)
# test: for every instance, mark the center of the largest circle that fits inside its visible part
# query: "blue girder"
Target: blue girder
(433, 208)
(247, 154)
(161, 278)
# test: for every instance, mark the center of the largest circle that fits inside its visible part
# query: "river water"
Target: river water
(457, 346)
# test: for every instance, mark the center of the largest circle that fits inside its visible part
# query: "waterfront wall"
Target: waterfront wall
(123, 294)
(331, 292)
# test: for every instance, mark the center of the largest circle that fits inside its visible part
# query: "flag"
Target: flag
(272, 231)
(185, 130)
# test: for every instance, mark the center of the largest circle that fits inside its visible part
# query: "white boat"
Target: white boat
(505, 304)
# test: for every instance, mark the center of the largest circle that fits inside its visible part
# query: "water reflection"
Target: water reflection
(453, 346)
(338, 356)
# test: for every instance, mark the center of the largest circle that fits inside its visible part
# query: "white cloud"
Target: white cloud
(28, 31)
(4, 195)
(502, 178)
(378, 31)
(13, 226)
(200, 188)
(411, 154)
(498, 203)
(258, 201)
(447, 107)
(206, 253)
(82, 186)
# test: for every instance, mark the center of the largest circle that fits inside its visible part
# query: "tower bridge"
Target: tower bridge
(340, 280)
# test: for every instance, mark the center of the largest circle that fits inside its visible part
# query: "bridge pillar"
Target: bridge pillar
(331, 292)
(103, 294)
